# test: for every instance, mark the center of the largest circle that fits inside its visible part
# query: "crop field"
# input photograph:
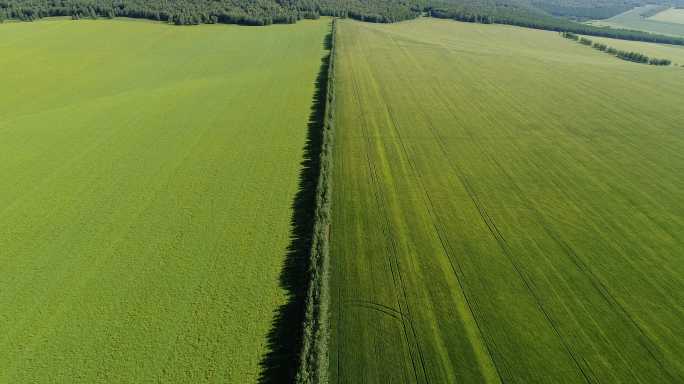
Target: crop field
(664, 51)
(632, 19)
(507, 207)
(148, 175)
(671, 15)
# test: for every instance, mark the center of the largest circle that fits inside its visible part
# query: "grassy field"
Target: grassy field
(508, 207)
(671, 15)
(632, 19)
(661, 51)
(148, 174)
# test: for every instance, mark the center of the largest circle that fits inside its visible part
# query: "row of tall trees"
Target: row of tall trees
(263, 12)
(313, 357)
(624, 55)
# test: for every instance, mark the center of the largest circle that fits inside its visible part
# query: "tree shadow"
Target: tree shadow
(280, 364)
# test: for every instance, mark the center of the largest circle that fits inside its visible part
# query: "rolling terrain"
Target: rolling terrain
(671, 15)
(507, 207)
(633, 19)
(674, 53)
(148, 175)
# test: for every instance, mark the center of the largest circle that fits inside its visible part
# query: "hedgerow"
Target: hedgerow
(313, 367)
(624, 55)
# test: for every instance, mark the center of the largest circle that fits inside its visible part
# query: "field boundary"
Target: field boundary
(313, 364)
(620, 54)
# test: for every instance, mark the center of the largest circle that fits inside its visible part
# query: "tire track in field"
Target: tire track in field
(396, 260)
(439, 226)
(436, 222)
(596, 282)
(392, 257)
(401, 141)
(376, 306)
(637, 207)
(581, 266)
(496, 233)
(570, 253)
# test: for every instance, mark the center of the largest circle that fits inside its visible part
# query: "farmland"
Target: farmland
(148, 176)
(671, 52)
(671, 15)
(632, 19)
(507, 207)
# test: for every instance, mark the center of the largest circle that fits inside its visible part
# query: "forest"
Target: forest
(553, 15)
(186, 12)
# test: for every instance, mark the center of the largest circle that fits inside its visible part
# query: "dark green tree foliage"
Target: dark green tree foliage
(633, 56)
(570, 35)
(313, 366)
(188, 12)
(601, 47)
(654, 61)
(517, 12)
(264, 12)
(624, 55)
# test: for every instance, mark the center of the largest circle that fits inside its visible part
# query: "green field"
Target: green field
(507, 207)
(148, 174)
(671, 15)
(632, 19)
(661, 51)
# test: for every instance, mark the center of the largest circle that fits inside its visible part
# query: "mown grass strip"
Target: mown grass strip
(313, 366)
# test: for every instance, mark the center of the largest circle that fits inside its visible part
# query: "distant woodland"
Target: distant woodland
(522, 14)
(187, 12)
(554, 15)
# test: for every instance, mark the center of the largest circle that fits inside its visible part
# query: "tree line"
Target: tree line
(189, 12)
(519, 14)
(313, 358)
(264, 12)
(624, 55)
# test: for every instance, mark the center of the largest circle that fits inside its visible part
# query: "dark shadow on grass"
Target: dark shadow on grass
(285, 338)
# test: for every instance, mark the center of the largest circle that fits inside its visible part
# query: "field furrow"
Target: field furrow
(525, 195)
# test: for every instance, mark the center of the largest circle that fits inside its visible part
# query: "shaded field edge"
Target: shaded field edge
(298, 339)
(313, 363)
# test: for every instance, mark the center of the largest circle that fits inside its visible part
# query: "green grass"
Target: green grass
(671, 15)
(632, 19)
(507, 207)
(148, 173)
(661, 51)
